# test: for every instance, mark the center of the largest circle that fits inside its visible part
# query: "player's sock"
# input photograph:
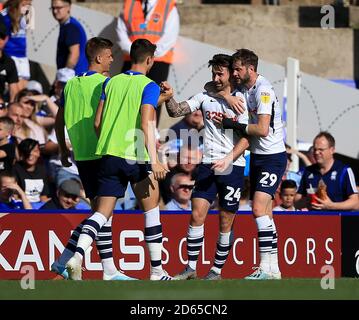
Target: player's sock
(265, 237)
(104, 247)
(153, 238)
(274, 252)
(195, 238)
(89, 232)
(70, 248)
(224, 245)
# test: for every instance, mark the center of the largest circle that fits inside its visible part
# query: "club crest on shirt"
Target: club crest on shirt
(156, 17)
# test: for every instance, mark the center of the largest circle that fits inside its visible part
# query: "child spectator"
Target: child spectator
(10, 191)
(288, 191)
(31, 175)
(7, 150)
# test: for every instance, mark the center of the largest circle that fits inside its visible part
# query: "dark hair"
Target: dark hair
(141, 49)
(8, 174)
(24, 93)
(288, 184)
(246, 57)
(68, 1)
(26, 146)
(221, 60)
(8, 122)
(3, 31)
(326, 135)
(95, 45)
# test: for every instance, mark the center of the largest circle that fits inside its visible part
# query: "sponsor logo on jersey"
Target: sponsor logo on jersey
(265, 97)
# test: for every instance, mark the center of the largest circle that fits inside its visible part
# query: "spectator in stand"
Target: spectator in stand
(156, 21)
(339, 179)
(72, 38)
(8, 71)
(288, 191)
(16, 16)
(187, 162)
(24, 127)
(31, 102)
(7, 149)
(62, 76)
(30, 174)
(58, 173)
(68, 197)
(11, 194)
(181, 188)
(3, 107)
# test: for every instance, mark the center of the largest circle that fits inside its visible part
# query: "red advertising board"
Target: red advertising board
(306, 243)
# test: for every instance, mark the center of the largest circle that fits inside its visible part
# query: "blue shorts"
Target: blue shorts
(115, 174)
(228, 187)
(88, 172)
(266, 172)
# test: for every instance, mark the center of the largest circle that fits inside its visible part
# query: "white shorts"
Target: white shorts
(23, 67)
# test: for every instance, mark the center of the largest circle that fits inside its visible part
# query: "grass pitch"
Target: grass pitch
(286, 289)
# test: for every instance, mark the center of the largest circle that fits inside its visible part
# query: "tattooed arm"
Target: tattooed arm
(177, 109)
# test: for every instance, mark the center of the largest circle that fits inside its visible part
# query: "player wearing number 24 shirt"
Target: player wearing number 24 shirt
(222, 168)
(268, 157)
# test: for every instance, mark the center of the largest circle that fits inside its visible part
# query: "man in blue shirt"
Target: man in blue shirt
(342, 193)
(72, 38)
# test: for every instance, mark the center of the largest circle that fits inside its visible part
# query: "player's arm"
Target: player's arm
(60, 135)
(98, 117)
(174, 108)
(148, 126)
(100, 107)
(236, 103)
(149, 103)
(177, 109)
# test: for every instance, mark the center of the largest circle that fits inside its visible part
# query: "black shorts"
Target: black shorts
(88, 172)
(115, 174)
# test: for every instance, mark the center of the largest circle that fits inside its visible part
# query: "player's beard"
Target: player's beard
(246, 78)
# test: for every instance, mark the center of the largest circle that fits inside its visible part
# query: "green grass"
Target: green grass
(307, 289)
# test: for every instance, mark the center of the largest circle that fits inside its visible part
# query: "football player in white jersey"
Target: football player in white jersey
(268, 156)
(221, 171)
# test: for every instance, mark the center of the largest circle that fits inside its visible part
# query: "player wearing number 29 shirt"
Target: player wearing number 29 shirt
(268, 157)
(221, 170)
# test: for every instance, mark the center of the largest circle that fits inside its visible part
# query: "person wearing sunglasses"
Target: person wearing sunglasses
(181, 190)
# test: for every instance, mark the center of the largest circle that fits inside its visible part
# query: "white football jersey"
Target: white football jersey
(218, 142)
(261, 99)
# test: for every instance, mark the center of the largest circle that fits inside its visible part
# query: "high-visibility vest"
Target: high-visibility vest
(154, 28)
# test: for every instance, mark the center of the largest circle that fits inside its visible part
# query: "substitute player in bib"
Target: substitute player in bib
(79, 104)
(125, 123)
(268, 156)
(221, 171)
